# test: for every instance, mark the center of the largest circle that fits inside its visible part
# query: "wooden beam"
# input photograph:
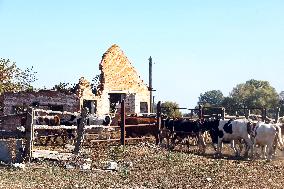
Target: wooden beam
(122, 123)
(29, 135)
(80, 131)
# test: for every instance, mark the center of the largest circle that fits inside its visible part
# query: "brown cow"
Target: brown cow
(145, 130)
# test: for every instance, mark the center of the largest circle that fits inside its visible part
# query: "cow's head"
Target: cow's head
(107, 120)
(251, 127)
(212, 127)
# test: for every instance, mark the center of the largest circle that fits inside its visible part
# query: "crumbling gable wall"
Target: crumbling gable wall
(84, 91)
(118, 75)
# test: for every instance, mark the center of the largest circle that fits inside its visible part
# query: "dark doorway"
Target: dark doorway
(91, 105)
(143, 107)
(114, 99)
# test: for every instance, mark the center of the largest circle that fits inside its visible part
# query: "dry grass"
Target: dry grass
(147, 166)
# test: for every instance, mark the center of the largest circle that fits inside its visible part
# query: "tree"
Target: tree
(171, 109)
(281, 103)
(211, 98)
(255, 93)
(95, 83)
(13, 79)
(230, 105)
(66, 88)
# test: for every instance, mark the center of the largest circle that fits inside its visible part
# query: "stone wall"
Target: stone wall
(119, 76)
(45, 99)
(10, 122)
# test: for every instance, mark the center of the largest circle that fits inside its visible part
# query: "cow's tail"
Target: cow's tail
(279, 137)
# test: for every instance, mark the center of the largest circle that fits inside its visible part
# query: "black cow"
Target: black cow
(183, 129)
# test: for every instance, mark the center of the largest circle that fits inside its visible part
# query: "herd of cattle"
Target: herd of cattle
(246, 133)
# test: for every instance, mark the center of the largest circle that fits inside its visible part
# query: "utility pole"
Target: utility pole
(150, 83)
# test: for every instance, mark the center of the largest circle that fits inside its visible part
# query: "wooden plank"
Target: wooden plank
(47, 127)
(139, 138)
(117, 139)
(140, 125)
(55, 112)
(100, 126)
(106, 140)
(87, 127)
(122, 123)
(29, 135)
(49, 154)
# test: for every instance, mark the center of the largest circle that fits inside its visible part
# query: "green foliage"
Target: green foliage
(13, 79)
(255, 93)
(211, 98)
(230, 105)
(66, 88)
(95, 83)
(252, 94)
(170, 109)
(281, 103)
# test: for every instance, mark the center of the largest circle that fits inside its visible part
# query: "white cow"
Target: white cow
(231, 131)
(266, 136)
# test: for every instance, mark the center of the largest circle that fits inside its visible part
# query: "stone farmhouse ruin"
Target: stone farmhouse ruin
(118, 80)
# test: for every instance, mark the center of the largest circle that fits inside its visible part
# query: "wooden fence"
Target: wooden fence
(247, 112)
(82, 129)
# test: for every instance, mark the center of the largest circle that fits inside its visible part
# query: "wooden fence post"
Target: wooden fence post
(277, 115)
(249, 112)
(29, 135)
(122, 123)
(223, 113)
(246, 112)
(159, 113)
(263, 116)
(200, 112)
(80, 131)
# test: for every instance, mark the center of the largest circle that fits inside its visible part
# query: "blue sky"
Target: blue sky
(196, 45)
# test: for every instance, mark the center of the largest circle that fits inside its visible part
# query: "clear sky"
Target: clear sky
(197, 45)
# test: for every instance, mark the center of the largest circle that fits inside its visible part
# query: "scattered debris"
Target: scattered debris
(19, 165)
(112, 165)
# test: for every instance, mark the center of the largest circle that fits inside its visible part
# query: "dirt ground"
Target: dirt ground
(146, 165)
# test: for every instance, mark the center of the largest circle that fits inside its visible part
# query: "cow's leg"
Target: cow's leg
(241, 144)
(219, 147)
(253, 147)
(187, 143)
(201, 143)
(270, 151)
(264, 151)
(234, 148)
(274, 146)
(249, 146)
(215, 146)
(173, 143)
(262, 155)
(157, 139)
(168, 141)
